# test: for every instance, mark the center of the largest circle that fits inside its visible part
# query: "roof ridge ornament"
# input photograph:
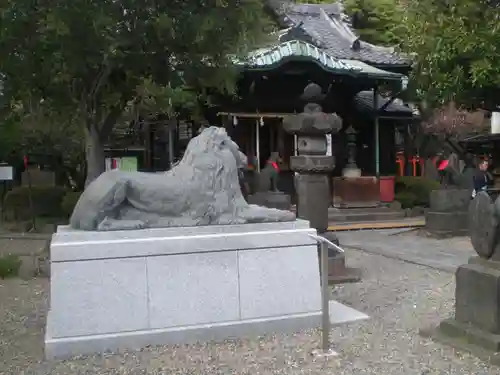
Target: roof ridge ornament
(356, 45)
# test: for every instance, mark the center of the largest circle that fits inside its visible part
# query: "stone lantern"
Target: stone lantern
(313, 166)
(351, 169)
(312, 163)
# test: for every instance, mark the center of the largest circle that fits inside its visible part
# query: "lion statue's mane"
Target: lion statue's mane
(202, 189)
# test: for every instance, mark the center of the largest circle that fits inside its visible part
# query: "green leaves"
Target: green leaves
(86, 54)
(67, 65)
(376, 21)
(456, 48)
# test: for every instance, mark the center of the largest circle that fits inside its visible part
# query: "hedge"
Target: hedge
(46, 202)
(406, 198)
(69, 202)
(9, 266)
(417, 187)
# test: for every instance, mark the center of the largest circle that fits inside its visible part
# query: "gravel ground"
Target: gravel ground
(400, 298)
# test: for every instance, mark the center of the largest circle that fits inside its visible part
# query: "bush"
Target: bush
(9, 266)
(406, 198)
(46, 201)
(69, 202)
(420, 187)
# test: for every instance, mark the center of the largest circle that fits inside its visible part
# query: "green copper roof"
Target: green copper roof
(370, 71)
(270, 57)
(266, 57)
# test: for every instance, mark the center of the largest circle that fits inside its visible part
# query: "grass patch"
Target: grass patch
(9, 266)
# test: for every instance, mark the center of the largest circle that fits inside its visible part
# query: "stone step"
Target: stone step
(415, 222)
(335, 210)
(366, 215)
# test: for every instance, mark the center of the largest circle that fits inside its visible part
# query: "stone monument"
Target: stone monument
(475, 326)
(266, 191)
(351, 170)
(351, 190)
(179, 257)
(314, 166)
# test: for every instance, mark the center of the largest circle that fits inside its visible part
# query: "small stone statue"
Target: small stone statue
(266, 192)
(450, 174)
(448, 170)
(202, 189)
(267, 179)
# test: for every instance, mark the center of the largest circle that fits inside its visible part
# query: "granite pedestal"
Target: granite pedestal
(448, 213)
(131, 289)
(476, 325)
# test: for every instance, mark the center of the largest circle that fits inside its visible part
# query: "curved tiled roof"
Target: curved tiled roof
(270, 57)
(296, 48)
(364, 101)
(327, 25)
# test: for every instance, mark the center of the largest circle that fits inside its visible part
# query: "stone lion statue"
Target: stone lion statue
(202, 189)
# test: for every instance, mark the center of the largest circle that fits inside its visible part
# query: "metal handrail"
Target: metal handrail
(329, 243)
(325, 321)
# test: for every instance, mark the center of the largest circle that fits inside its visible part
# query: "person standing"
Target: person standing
(481, 178)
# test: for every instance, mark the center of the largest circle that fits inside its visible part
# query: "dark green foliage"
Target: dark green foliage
(9, 266)
(69, 202)
(46, 202)
(377, 21)
(406, 198)
(455, 47)
(419, 187)
(89, 66)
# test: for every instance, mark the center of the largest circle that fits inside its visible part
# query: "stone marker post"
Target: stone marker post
(314, 166)
(475, 326)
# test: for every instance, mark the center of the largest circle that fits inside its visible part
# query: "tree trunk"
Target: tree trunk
(94, 154)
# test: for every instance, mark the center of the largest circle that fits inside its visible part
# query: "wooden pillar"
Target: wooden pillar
(172, 124)
(272, 138)
(148, 154)
(257, 143)
(281, 139)
(377, 132)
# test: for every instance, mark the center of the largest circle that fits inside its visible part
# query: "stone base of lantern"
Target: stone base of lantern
(338, 272)
(475, 327)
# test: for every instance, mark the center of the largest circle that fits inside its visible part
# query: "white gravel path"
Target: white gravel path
(400, 298)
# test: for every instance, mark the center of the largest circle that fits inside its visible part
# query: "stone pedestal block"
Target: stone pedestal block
(448, 213)
(476, 325)
(132, 289)
(356, 192)
(449, 200)
(338, 271)
(446, 224)
(477, 295)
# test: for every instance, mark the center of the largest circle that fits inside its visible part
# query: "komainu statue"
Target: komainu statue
(203, 189)
(267, 179)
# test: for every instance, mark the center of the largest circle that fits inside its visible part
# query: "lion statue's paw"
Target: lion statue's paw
(109, 224)
(259, 214)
